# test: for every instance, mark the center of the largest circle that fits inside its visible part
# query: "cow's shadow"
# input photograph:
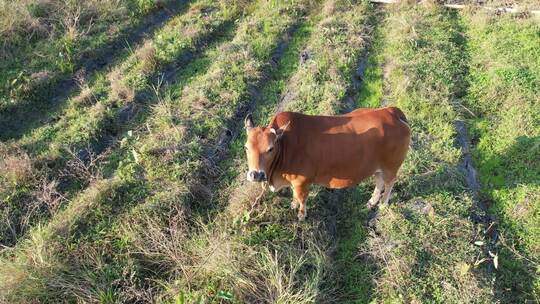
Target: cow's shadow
(343, 216)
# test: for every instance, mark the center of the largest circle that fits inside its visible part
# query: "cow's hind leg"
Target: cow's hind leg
(379, 184)
(389, 180)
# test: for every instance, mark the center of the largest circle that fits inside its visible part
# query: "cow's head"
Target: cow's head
(261, 148)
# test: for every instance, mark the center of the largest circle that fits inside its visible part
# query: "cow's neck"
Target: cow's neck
(275, 163)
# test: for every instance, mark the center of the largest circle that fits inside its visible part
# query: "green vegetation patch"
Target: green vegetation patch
(504, 98)
(323, 80)
(62, 155)
(171, 175)
(45, 42)
(423, 243)
(272, 257)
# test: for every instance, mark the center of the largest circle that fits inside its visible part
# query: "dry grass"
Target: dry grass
(28, 19)
(16, 20)
(119, 90)
(84, 165)
(195, 260)
(15, 167)
(86, 96)
(244, 197)
(146, 55)
(277, 276)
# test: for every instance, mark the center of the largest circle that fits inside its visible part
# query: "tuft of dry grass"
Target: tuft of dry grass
(85, 97)
(277, 276)
(146, 54)
(119, 89)
(84, 165)
(15, 166)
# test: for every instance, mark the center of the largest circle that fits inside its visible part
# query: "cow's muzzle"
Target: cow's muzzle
(256, 176)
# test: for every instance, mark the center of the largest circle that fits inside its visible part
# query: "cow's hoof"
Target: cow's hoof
(294, 204)
(301, 216)
(371, 205)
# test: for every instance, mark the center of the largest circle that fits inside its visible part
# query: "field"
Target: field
(122, 168)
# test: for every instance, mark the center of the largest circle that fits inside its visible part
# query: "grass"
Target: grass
(371, 93)
(85, 127)
(505, 129)
(323, 80)
(354, 283)
(45, 42)
(423, 243)
(273, 258)
(97, 212)
(133, 190)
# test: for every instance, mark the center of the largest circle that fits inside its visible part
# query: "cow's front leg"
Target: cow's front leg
(300, 193)
(294, 203)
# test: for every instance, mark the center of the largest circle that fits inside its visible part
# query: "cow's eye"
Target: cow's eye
(270, 149)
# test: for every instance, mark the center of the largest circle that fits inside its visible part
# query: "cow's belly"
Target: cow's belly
(340, 174)
(340, 183)
(337, 183)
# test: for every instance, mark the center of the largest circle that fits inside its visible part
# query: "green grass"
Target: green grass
(371, 93)
(423, 247)
(503, 94)
(323, 81)
(94, 115)
(95, 218)
(355, 282)
(166, 216)
(269, 237)
(356, 271)
(45, 42)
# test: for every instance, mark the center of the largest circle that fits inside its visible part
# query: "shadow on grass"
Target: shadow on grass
(21, 118)
(345, 215)
(516, 279)
(517, 166)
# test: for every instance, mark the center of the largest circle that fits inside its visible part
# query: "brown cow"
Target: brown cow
(332, 151)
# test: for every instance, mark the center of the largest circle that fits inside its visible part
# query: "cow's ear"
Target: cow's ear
(248, 122)
(279, 132)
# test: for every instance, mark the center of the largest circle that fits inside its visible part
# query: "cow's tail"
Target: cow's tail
(400, 115)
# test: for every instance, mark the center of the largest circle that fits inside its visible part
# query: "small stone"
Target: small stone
(422, 208)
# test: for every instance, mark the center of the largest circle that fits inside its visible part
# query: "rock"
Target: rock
(304, 56)
(126, 113)
(421, 207)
